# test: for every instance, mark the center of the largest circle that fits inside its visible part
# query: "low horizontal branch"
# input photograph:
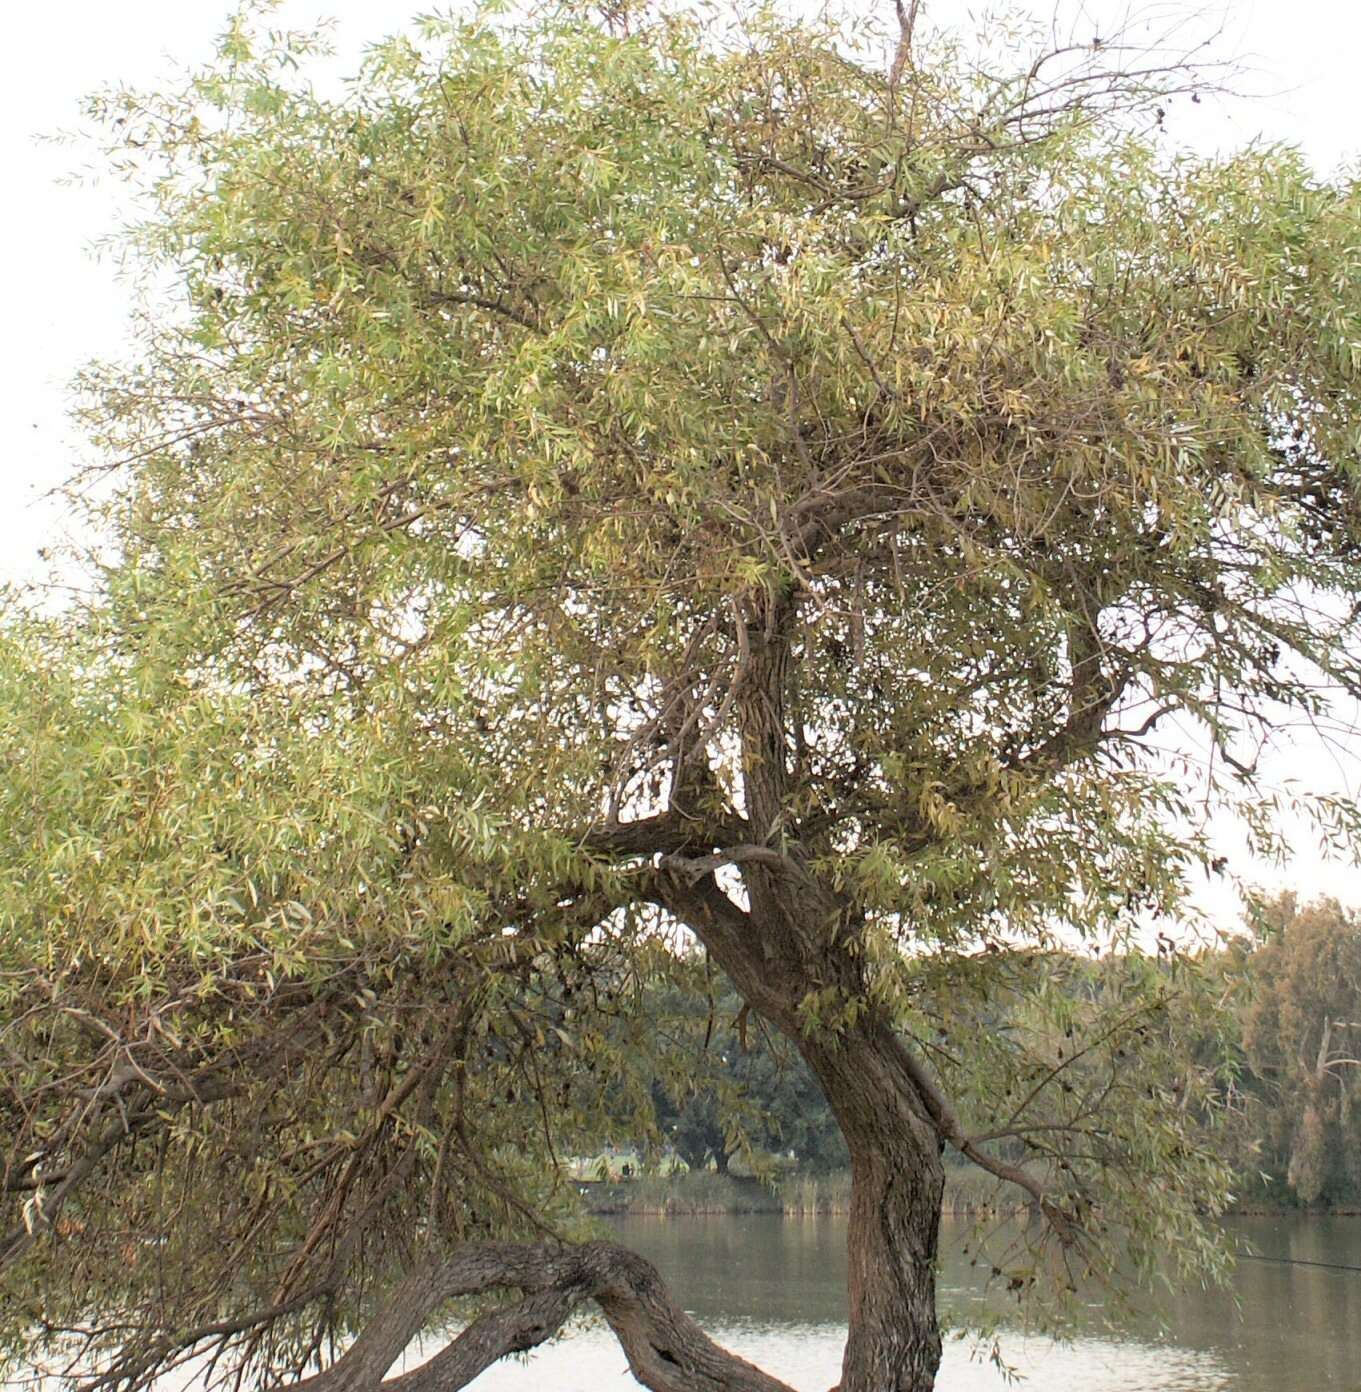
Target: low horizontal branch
(666, 1350)
(514, 1329)
(695, 868)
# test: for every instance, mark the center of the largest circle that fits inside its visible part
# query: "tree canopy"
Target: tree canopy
(614, 496)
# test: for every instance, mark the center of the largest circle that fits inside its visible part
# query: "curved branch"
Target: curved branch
(515, 1329)
(943, 1117)
(666, 1350)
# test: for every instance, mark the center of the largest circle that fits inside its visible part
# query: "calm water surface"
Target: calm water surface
(774, 1290)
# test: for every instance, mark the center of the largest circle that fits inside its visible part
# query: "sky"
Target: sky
(1296, 81)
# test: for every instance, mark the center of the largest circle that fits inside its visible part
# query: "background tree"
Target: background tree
(739, 1088)
(1300, 1039)
(604, 482)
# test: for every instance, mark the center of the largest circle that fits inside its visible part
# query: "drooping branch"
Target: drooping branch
(42, 1211)
(948, 1125)
(666, 1350)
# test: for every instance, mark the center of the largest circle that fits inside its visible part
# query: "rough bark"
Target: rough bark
(792, 940)
(666, 1350)
(893, 1340)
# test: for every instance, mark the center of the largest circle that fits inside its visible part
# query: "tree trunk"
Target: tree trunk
(785, 946)
(799, 938)
(897, 1181)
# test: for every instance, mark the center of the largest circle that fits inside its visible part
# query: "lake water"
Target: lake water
(774, 1290)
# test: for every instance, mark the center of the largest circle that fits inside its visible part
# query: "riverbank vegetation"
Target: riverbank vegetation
(745, 1129)
(792, 1193)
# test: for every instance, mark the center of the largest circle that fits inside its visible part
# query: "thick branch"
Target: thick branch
(696, 868)
(515, 1329)
(670, 833)
(666, 1350)
(902, 57)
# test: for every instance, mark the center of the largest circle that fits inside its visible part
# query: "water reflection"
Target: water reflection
(773, 1290)
(808, 1357)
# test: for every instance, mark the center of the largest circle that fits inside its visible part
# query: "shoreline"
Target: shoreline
(707, 1195)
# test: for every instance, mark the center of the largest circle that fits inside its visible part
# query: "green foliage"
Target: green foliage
(740, 1091)
(268, 1038)
(586, 443)
(1107, 1076)
(1299, 1044)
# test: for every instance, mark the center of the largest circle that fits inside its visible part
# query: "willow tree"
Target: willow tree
(601, 500)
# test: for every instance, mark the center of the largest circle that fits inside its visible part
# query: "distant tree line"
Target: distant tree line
(752, 1095)
(1296, 1125)
(1290, 1032)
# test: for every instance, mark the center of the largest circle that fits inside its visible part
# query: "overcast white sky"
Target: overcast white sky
(1302, 61)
